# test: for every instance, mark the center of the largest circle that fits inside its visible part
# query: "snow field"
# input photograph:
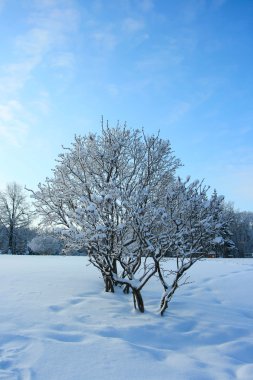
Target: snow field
(56, 323)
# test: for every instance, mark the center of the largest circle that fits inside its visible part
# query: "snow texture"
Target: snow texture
(56, 323)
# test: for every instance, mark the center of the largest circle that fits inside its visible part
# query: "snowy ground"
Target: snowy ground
(56, 323)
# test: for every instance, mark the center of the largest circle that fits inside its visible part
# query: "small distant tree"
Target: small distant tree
(45, 245)
(15, 215)
(117, 195)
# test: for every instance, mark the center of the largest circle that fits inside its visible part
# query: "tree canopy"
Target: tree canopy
(116, 194)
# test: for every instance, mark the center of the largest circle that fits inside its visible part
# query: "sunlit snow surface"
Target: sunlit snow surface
(56, 323)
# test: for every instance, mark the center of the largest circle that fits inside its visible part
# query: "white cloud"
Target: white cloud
(42, 103)
(245, 130)
(171, 52)
(132, 25)
(2, 3)
(15, 75)
(105, 39)
(7, 110)
(113, 89)
(216, 4)
(63, 59)
(51, 27)
(13, 125)
(178, 111)
(192, 9)
(35, 42)
(50, 30)
(146, 5)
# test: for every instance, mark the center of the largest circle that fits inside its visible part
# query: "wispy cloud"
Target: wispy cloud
(50, 29)
(47, 41)
(112, 89)
(146, 5)
(15, 75)
(192, 9)
(42, 103)
(216, 4)
(178, 111)
(13, 127)
(2, 3)
(106, 39)
(107, 34)
(63, 60)
(132, 25)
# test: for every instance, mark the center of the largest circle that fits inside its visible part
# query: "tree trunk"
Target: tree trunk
(109, 288)
(164, 305)
(138, 300)
(114, 266)
(167, 297)
(11, 240)
(126, 289)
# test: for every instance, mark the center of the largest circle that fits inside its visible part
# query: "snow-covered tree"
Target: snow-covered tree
(116, 194)
(45, 245)
(15, 216)
(192, 225)
(241, 231)
(102, 172)
(184, 224)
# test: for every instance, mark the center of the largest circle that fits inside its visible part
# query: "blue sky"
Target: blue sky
(184, 67)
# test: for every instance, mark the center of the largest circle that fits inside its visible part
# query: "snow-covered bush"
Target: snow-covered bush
(45, 245)
(117, 195)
